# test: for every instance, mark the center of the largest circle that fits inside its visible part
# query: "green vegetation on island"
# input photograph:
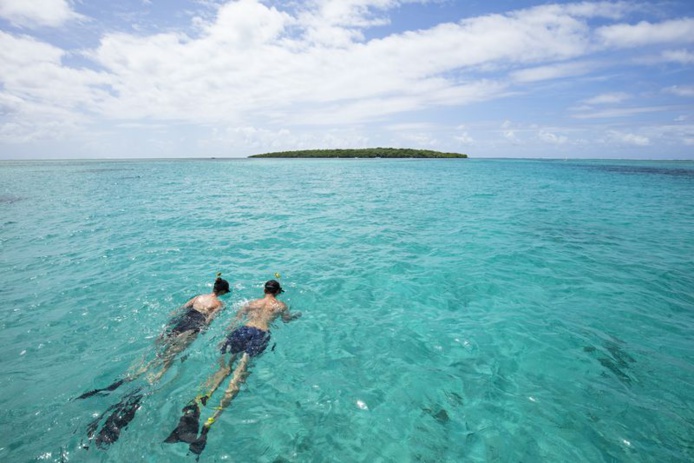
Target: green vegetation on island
(361, 153)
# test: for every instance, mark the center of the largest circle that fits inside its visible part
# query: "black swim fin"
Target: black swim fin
(119, 419)
(187, 429)
(112, 387)
(199, 444)
(94, 424)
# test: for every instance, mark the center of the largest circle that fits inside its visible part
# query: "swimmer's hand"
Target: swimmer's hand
(286, 317)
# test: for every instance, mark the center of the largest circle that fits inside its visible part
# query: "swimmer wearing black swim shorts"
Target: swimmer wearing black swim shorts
(201, 311)
(181, 333)
(193, 320)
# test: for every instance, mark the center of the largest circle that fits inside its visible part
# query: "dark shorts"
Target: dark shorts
(248, 339)
(190, 321)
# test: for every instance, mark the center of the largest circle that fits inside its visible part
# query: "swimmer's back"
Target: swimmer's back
(262, 312)
(206, 304)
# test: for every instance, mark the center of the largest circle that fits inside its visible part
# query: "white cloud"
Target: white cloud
(671, 134)
(257, 140)
(678, 56)
(248, 62)
(508, 131)
(338, 23)
(549, 137)
(619, 112)
(33, 13)
(44, 97)
(420, 139)
(646, 33)
(465, 138)
(40, 122)
(608, 98)
(554, 71)
(410, 126)
(609, 10)
(261, 69)
(246, 24)
(628, 138)
(224, 75)
(681, 90)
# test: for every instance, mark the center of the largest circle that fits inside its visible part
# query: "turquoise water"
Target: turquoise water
(454, 310)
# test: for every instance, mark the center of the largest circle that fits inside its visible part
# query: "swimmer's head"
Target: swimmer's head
(273, 287)
(221, 286)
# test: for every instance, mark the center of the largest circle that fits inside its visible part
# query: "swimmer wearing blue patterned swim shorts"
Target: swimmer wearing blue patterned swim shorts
(249, 340)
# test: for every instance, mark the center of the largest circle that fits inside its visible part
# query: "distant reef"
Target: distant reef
(361, 153)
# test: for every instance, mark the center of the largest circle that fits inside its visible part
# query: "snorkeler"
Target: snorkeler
(182, 330)
(185, 328)
(250, 340)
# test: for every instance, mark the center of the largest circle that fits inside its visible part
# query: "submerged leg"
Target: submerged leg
(220, 375)
(178, 345)
(167, 356)
(240, 375)
(188, 424)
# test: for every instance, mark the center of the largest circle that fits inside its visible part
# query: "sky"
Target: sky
(91, 79)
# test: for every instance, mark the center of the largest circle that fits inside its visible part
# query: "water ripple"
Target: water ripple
(453, 311)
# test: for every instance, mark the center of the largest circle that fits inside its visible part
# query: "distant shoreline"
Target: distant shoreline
(389, 153)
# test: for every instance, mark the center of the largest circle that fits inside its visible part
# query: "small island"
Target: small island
(361, 153)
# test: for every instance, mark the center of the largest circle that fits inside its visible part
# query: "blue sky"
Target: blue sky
(212, 78)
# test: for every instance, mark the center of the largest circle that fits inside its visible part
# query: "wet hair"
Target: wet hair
(220, 284)
(273, 287)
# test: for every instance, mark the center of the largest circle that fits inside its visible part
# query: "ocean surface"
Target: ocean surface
(453, 310)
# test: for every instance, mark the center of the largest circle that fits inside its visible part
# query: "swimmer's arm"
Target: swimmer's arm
(215, 311)
(219, 305)
(288, 316)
